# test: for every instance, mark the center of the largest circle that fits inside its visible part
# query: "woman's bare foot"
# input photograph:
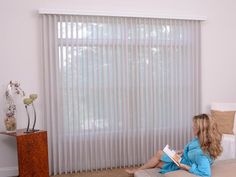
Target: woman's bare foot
(131, 171)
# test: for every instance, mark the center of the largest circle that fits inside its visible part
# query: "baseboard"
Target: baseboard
(9, 171)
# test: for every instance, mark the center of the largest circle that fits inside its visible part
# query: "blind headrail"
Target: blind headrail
(121, 14)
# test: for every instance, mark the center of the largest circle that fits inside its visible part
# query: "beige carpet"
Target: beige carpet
(106, 173)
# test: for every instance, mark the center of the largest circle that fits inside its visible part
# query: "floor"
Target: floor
(106, 173)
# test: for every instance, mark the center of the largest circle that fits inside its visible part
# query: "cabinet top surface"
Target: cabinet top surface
(20, 132)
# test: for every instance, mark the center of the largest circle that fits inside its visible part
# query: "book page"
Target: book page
(172, 154)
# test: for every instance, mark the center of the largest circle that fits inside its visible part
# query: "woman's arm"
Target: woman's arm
(184, 167)
(201, 167)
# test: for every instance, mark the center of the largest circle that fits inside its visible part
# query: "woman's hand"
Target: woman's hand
(180, 152)
(184, 167)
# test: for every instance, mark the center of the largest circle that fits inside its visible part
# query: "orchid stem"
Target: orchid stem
(34, 117)
(27, 129)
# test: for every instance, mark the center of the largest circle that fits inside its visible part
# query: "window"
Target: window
(121, 87)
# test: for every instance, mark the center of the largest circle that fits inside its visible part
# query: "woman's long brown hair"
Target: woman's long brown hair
(208, 135)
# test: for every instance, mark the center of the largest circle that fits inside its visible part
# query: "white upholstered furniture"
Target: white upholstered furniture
(228, 140)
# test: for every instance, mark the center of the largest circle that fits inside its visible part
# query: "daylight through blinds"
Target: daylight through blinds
(117, 89)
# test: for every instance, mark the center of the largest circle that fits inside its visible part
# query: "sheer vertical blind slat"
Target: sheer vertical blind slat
(117, 88)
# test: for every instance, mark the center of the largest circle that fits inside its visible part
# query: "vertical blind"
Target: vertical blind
(117, 89)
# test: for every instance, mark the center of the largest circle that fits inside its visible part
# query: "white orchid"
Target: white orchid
(30, 101)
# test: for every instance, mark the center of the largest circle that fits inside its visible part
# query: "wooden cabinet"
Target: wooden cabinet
(32, 150)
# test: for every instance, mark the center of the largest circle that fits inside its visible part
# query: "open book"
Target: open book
(172, 154)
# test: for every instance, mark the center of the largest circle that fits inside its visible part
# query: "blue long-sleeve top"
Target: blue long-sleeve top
(193, 156)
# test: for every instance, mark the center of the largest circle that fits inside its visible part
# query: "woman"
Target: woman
(198, 154)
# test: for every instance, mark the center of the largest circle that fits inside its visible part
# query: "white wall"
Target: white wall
(21, 56)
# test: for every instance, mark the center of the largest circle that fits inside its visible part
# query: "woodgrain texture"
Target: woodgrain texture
(33, 154)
